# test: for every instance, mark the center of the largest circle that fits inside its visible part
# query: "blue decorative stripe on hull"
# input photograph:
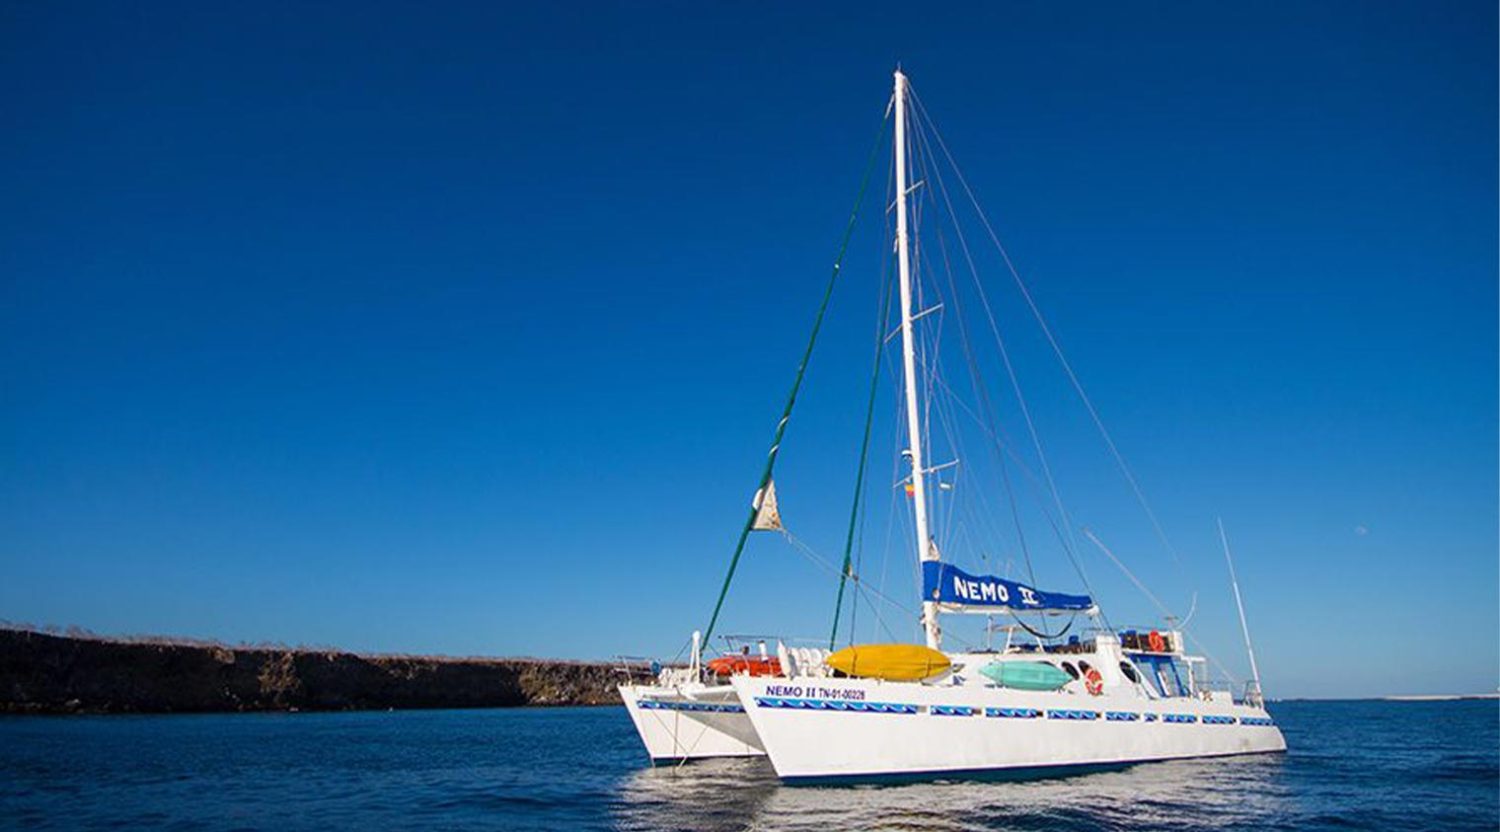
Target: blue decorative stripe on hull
(706, 707)
(1068, 714)
(1072, 714)
(1013, 713)
(993, 774)
(834, 705)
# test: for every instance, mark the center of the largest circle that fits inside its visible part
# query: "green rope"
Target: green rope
(786, 414)
(864, 455)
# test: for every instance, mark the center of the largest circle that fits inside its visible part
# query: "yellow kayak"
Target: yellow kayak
(892, 662)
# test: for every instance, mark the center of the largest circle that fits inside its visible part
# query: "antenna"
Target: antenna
(1252, 691)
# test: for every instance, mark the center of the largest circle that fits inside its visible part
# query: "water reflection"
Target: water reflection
(1242, 792)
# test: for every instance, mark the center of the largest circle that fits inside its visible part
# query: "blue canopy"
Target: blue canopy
(947, 584)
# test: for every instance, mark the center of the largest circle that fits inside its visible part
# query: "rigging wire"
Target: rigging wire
(786, 415)
(977, 381)
(823, 563)
(895, 438)
(1165, 611)
(944, 405)
(1051, 340)
(864, 456)
(982, 392)
(860, 495)
(1041, 507)
(1001, 441)
(1070, 545)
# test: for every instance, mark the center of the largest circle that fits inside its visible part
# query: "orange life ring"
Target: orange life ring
(1093, 682)
(1156, 642)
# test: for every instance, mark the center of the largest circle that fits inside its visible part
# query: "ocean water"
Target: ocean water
(1351, 765)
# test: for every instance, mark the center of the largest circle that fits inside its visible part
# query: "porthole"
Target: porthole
(1071, 670)
(1129, 670)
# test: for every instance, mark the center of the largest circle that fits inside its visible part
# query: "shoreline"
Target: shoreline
(1438, 697)
(46, 674)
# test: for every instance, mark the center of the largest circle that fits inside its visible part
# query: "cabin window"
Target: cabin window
(1129, 670)
(1071, 670)
(1084, 666)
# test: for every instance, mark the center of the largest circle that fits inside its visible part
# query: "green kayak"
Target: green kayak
(1025, 675)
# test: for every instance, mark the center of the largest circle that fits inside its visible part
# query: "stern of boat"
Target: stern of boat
(678, 723)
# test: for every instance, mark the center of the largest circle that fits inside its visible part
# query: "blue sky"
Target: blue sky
(464, 330)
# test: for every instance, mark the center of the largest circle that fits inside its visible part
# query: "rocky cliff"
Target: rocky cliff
(42, 673)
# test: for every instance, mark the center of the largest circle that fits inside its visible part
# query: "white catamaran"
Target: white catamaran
(1036, 705)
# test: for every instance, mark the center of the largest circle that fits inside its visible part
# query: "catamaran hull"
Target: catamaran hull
(866, 730)
(678, 724)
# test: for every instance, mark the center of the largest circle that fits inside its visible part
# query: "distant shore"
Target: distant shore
(44, 673)
(1439, 697)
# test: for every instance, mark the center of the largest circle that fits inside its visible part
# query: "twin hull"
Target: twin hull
(865, 729)
(690, 722)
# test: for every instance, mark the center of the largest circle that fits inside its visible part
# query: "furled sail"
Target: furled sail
(956, 589)
(767, 518)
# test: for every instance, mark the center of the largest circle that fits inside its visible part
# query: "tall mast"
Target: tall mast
(925, 549)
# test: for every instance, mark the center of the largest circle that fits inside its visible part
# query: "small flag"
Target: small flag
(910, 489)
(767, 518)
